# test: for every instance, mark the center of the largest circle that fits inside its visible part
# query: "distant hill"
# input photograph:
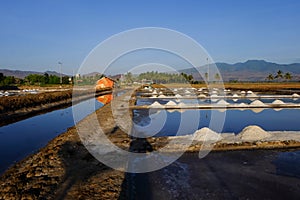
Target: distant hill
(251, 70)
(23, 74)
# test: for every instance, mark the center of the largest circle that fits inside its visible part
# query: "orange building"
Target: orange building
(104, 82)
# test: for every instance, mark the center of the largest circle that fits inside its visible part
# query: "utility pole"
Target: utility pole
(207, 71)
(60, 64)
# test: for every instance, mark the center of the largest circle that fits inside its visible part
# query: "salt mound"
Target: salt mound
(278, 102)
(257, 103)
(156, 105)
(251, 94)
(205, 134)
(223, 102)
(243, 92)
(214, 96)
(171, 103)
(178, 95)
(243, 105)
(295, 95)
(252, 133)
(202, 96)
(154, 92)
(187, 92)
(235, 96)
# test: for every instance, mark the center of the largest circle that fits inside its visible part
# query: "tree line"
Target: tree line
(280, 76)
(33, 79)
(162, 77)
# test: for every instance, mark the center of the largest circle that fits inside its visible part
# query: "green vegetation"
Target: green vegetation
(33, 79)
(8, 80)
(279, 76)
(160, 77)
(37, 79)
(87, 80)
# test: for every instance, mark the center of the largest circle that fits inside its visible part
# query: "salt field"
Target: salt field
(245, 108)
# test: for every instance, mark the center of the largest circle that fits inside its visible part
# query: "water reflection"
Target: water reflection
(105, 99)
(22, 138)
(235, 121)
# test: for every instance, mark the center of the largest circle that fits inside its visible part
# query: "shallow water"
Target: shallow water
(149, 101)
(235, 120)
(22, 138)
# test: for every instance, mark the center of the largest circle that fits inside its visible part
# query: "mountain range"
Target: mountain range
(23, 74)
(251, 70)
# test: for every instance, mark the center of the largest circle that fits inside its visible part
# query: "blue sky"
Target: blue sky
(36, 35)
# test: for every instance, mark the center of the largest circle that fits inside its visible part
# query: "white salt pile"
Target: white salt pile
(214, 98)
(203, 96)
(223, 102)
(205, 134)
(178, 95)
(279, 102)
(251, 94)
(235, 96)
(253, 133)
(295, 95)
(257, 103)
(171, 103)
(187, 92)
(243, 92)
(156, 105)
(154, 92)
(243, 105)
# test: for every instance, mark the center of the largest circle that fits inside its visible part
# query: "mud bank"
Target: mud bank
(14, 113)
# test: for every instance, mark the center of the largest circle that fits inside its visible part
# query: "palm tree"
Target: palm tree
(270, 77)
(217, 76)
(279, 74)
(287, 76)
(206, 76)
